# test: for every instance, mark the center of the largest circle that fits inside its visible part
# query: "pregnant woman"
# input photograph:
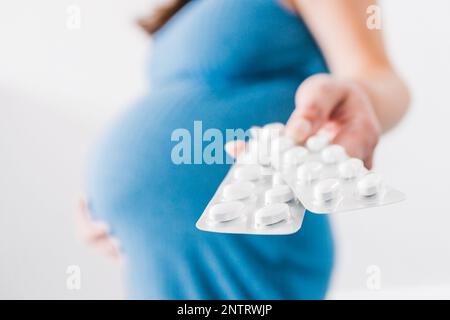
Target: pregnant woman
(314, 64)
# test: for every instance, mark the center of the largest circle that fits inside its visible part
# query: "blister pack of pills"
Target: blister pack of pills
(253, 199)
(274, 180)
(326, 180)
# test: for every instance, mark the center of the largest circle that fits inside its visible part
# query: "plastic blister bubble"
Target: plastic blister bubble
(274, 180)
(254, 198)
(329, 181)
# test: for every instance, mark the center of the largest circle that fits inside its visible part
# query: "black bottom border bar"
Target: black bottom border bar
(222, 309)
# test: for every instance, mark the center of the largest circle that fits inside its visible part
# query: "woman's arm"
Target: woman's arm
(357, 53)
(363, 96)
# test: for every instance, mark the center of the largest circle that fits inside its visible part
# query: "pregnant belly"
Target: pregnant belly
(152, 204)
(135, 152)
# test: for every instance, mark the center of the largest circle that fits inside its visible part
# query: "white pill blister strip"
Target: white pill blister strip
(326, 180)
(272, 182)
(253, 199)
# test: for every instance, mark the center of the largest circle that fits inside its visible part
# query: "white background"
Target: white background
(59, 86)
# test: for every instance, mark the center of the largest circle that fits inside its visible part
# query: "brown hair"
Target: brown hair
(161, 15)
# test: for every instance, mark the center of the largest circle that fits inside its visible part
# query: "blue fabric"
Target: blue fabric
(230, 64)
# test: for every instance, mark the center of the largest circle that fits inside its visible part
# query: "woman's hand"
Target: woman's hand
(340, 108)
(96, 233)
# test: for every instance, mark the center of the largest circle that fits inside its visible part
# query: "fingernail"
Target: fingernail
(299, 129)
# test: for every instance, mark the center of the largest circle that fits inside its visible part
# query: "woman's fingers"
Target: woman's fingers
(97, 233)
(342, 109)
(358, 127)
(359, 141)
(109, 247)
(315, 100)
(298, 128)
(93, 230)
(234, 148)
(354, 144)
(89, 229)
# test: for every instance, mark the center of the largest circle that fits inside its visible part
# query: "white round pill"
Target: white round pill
(246, 158)
(238, 191)
(247, 172)
(226, 211)
(309, 171)
(281, 144)
(257, 152)
(350, 168)
(279, 194)
(326, 190)
(277, 147)
(295, 156)
(266, 171)
(263, 159)
(274, 127)
(271, 131)
(277, 179)
(255, 131)
(317, 142)
(369, 185)
(271, 214)
(253, 146)
(333, 154)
